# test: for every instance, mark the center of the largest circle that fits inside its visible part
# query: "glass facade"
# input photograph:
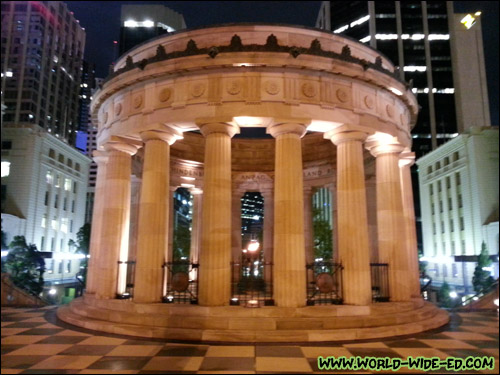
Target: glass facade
(42, 50)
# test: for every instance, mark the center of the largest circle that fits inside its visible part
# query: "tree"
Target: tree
(444, 295)
(322, 236)
(82, 245)
(482, 279)
(25, 265)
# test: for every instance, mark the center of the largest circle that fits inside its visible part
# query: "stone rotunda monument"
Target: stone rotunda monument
(340, 119)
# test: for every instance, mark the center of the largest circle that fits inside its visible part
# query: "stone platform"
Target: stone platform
(264, 324)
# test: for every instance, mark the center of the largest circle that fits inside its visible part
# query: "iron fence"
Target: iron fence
(251, 283)
(181, 278)
(380, 282)
(324, 283)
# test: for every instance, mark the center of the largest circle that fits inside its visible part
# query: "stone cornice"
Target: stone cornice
(271, 45)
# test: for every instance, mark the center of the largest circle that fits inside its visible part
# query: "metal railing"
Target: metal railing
(324, 283)
(380, 282)
(251, 283)
(181, 278)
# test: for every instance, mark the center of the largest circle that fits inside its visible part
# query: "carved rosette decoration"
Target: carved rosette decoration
(272, 87)
(369, 102)
(342, 95)
(137, 102)
(197, 90)
(164, 95)
(390, 110)
(308, 90)
(118, 109)
(233, 87)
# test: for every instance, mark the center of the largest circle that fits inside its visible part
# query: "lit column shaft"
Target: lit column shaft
(152, 238)
(289, 249)
(390, 220)
(115, 221)
(308, 224)
(405, 163)
(101, 159)
(215, 255)
(352, 221)
(196, 228)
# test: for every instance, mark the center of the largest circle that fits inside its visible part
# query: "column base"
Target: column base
(265, 324)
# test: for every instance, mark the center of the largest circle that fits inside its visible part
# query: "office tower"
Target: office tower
(142, 22)
(44, 185)
(434, 52)
(42, 51)
(252, 217)
(459, 195)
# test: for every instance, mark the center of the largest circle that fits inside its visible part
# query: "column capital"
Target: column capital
(382, 148)
(121, 146)
(340, 137)
(406, 159)
(288, 126)
(167, 135)
(100, 157)
(210, 127)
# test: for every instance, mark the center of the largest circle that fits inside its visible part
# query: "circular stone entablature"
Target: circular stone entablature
(254, 76)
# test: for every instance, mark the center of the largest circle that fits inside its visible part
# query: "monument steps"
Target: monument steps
(238, 324)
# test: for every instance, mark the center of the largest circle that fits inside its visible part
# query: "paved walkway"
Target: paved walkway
(34, 341)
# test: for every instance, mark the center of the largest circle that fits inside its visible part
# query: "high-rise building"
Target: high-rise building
(142, 22)
(42, 51)
(252, 217)
(44, 186)
(86, 88)
(91, 134)
(459, 195)
(442, 60)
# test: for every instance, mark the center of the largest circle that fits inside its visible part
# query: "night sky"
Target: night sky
(101, 20)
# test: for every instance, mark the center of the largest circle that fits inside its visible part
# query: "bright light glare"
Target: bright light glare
(453, 294)
(52, 291)
(253, 246)
(468, 21)
(5, 168)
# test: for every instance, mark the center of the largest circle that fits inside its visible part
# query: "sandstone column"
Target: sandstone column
(115, 220)
(152, 238)
(289, 249)
(390, 219)
(308, 224)
(195, 229)
(405, 162)
(169, 253)
(352, 221)
(267, 246)
(101, 159)
(215, 255)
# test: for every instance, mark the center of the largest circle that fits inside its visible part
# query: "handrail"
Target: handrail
(483, 291)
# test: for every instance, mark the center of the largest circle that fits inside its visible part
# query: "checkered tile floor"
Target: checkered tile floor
(34, 341)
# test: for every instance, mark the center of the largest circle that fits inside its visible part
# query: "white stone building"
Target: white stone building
(459, 201)
(44, 187)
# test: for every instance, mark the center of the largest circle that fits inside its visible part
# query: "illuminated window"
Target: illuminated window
(54, 224)
(48, 177)
(44, 221)
(5, 168)
(64, 225)
(67, 184)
